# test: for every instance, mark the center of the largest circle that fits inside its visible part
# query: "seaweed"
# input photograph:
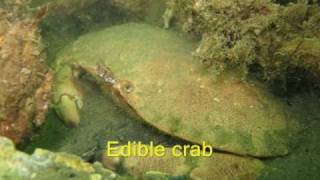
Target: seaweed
(253, 33)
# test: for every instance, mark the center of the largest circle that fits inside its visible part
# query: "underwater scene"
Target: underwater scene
(159, 89)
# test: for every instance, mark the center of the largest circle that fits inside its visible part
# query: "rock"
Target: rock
(25, 84)
(43, 164)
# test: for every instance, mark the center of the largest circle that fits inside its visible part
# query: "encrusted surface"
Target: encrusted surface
(43, 164)
(279, 39)
(24, 82)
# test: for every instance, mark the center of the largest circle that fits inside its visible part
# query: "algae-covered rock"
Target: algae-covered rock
(274, 37)
(152, 71)
(25, 83)
(43, 164)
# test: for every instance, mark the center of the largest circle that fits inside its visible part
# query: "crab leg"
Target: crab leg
(67, 97)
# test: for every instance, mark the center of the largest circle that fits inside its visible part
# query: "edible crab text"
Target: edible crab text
(138, 149)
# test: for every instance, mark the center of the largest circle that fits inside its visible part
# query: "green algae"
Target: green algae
(43, 164)
(253, 33)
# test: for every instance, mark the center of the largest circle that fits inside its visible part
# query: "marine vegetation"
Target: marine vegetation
(43, 164)
(278, 41)
(25, 84)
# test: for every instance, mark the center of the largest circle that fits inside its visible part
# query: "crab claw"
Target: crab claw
(67, 98)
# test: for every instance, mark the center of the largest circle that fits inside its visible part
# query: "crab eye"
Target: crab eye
(127, 87)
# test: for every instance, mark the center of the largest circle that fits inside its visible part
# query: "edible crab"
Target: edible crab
(150, 72)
